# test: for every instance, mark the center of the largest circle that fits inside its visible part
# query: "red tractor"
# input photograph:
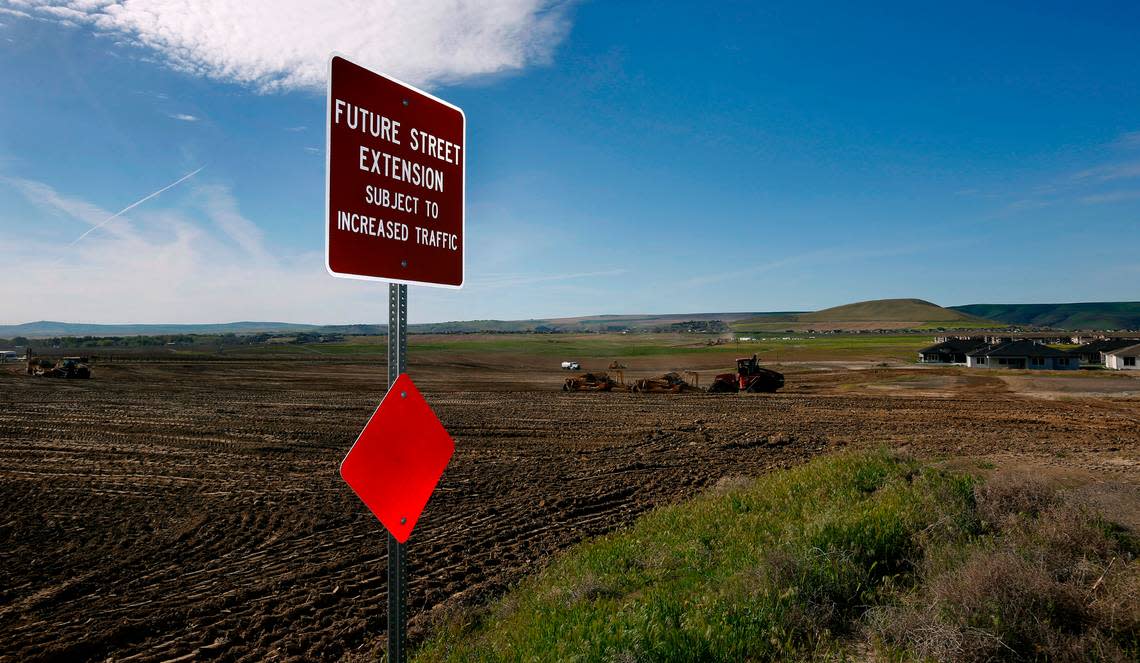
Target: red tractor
(748, 377)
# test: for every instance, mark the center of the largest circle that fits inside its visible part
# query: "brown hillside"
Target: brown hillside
(888, 310)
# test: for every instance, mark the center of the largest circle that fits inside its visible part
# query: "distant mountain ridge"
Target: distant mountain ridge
(890, 313)
(592, 323)
(50, 328)
(1083, 315)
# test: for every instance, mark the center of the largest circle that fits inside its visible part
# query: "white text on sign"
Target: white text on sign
(386, 165)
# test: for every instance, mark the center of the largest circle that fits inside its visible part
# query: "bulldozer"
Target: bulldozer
(70, 368)
(669, 383)
(748, 377)
(591, 382)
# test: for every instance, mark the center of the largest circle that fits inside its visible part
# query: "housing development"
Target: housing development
(1032, 353)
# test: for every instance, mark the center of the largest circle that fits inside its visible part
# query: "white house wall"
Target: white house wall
(1051, 364)
(1117, 362)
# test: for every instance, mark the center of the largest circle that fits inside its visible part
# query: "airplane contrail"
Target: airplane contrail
(133, 205)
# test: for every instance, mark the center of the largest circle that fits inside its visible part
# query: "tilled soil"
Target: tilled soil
(166, 511)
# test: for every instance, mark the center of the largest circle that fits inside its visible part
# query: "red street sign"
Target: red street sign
(398, 459)
(394, 180)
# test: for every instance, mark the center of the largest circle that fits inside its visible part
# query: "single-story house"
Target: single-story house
(1123, 359)
(1022, 354)
(1092, 352)
(950, 351)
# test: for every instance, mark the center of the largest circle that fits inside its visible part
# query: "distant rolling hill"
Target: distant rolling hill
(593, 323)
(874, 314)
(50, 329)
(889, 310)
(1086, 315)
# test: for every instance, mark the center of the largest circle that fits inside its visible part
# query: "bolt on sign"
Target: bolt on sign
(394, 208)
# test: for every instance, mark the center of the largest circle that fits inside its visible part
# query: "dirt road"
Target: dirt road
(165, 510)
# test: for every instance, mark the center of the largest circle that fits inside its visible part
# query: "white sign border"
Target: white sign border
(328, 155)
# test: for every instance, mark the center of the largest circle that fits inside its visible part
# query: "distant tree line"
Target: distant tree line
(164, 340)
(696, 327)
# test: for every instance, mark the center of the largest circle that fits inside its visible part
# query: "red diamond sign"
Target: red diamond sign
(398, 459)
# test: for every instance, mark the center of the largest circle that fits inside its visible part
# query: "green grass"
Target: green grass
(771, 571)
(964, 324)
(584, 346)
(845, 555)
(783, 326)
(842, 556)
(545, 345)
(801, 347)
(593, 345)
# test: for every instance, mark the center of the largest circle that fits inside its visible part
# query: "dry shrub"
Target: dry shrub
(589, 587)
(731, 483)
(814, 611)
(1116, 602)
(1053, 582)
(1009, 496)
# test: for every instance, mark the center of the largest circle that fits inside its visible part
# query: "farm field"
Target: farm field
(538, 351)
(193, 508)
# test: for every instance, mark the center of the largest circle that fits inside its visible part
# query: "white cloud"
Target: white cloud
(825, 256)
(1109, 172)
(14, 12)
(51, 201)
(284, 44)
(1129, 140)
(184, 117)
(511, 280)
(202, 263)
(198, 258)
(1111, 197)
(222, 209)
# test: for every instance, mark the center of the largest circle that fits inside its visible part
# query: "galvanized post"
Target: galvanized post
(397, 555)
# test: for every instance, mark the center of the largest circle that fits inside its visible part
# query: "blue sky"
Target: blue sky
(623, 157)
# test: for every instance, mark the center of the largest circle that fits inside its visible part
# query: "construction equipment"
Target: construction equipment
(590, 382)
(669, 383)
(748, 377)
(618, 368)
(70, 368)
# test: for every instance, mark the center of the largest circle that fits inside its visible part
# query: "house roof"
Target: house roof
(1104, 345)
(955, 345)
(1130, 351)
(1019, 348)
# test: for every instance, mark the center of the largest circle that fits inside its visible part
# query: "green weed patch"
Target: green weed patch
(856, 551)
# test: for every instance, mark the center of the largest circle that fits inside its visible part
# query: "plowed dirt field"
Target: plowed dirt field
(194, 510)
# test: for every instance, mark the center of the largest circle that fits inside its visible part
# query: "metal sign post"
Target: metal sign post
(397, 553)
(395, 182)
(395, 465)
